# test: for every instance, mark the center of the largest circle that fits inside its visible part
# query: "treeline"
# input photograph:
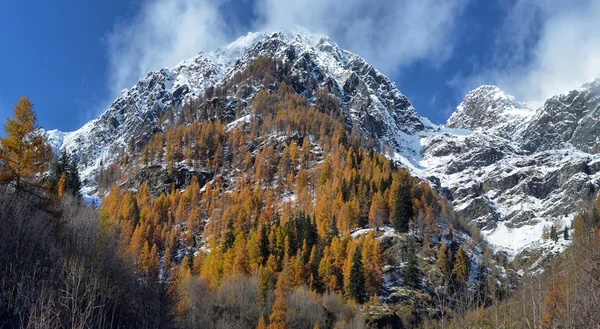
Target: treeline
(289, 183)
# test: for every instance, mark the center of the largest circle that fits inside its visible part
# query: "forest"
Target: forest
(266, 236)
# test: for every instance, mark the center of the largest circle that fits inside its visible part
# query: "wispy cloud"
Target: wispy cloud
(544, 48)
(163, 33)
(390, 34)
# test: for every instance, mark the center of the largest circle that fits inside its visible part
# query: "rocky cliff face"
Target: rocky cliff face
(569, 120)
(512, 170)
(508, 169)
(490, 108)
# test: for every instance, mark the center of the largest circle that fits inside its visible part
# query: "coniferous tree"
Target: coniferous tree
(402, 211)
(278, 318)
(357, 278)
(566, 233)
(412, 272)
(371, 257)
(545, 233)
(62, 185)
(135, 217)
(264, 244)
(24, 154)
(461, 267)
(73, 180)
(61, 166)
(378, 213)
(261, 322)
(229, 238)
(444, 260)
(553, 234)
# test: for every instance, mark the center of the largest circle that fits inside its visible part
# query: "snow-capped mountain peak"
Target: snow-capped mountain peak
(489, 107)
(368, 98)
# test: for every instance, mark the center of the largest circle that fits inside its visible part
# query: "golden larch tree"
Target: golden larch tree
(24, 153)
(261, 322)
(62, 185)
(461, 266)
(278, 316)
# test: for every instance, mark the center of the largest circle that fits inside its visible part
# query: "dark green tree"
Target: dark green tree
(553, 234)
(229, 238)
(356, 290)
(264, 244)
(402, 211)
(566, 233)
(61, 165)
(136, 213)
(411, 272)
(73, 180)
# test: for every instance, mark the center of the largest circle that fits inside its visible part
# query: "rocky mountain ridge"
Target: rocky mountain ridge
(512, 170)
(508, 169)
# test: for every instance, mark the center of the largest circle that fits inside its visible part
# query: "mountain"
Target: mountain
(489, 108)
(512, 170)
(508, 169)
(368, 98)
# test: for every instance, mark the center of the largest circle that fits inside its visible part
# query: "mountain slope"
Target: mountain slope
(508, 169)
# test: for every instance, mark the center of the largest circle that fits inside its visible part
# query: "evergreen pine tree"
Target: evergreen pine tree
(73, 181)
(357, 278)
(61, 166)
(566, 233)
(135, 218)
(402, 210)
(412, 272)
(229, 238)
(264, 244)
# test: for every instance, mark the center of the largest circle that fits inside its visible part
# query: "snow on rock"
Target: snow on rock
(368, 97)
(511, 172)
(507, 168)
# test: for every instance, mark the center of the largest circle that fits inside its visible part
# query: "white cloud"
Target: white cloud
(545, 48)
(391, 35)
(163, 33)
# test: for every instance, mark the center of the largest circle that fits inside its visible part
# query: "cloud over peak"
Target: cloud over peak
(389, 34)
(544, 48)
(163, 33)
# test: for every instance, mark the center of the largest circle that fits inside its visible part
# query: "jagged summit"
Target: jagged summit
(519, 170)
(489, 107)
(369, 99)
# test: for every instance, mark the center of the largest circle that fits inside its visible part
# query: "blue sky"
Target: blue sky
(72, 57)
